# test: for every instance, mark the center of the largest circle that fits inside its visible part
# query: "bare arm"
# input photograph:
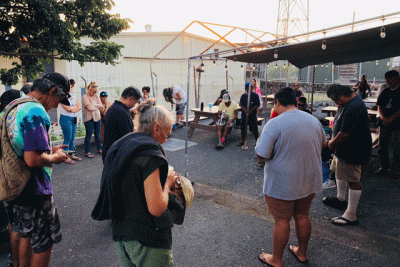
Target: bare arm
(41, 158)
(178, 96)
(157, 197)
(339, 138)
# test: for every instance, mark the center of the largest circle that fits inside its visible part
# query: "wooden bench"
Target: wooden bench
(191, 119)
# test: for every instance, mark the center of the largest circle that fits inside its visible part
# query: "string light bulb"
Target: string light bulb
(254, 67)
(276, 53)
(377, 62)
(226, 67)
(276, 64)
(202, 66)
(214, 63)
(241, 67)
(323, 46)
(383, 33)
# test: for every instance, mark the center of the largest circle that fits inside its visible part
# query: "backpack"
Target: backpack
(14, 173)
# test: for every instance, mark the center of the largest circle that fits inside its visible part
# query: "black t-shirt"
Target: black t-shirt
(118, 122)
(137, 222)
(353, 119)
(254, 102)
(389, 102)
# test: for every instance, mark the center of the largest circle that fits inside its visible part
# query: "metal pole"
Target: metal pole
(187, 119)
(226, 76)
(312, 89)
(287, 79)
(151, 75)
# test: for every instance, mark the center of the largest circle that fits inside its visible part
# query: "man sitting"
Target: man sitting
(302, 104)
(227, 114)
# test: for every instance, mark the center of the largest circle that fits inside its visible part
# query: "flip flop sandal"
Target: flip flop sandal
(262, 260)
(245, 147)
(70, 161)
(295, 256)
(343, 221)
(73, 157)
(89, 155)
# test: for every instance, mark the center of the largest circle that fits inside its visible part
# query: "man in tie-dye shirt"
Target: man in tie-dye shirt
(34, 215)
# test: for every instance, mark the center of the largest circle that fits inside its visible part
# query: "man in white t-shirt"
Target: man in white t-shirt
(176, 92)
(227, 114)
(291, 144)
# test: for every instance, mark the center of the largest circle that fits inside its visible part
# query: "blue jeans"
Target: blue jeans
(89, 127)
(69, 131)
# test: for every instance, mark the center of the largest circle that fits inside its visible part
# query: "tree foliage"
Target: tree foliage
(34, 31)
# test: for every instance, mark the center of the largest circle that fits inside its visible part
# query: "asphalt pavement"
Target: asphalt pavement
(227, 224)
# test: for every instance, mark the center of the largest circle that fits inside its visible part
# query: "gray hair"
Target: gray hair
(44, 86)
(150, 114)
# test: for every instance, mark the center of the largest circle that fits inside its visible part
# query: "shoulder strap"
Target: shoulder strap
(11, 107)
(16, 103)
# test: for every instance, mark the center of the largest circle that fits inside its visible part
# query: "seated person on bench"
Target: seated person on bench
(219, 99)
(302, 104)
(227, 114)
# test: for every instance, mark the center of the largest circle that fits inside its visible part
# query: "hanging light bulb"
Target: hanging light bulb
(202, 66)
(383, 33)
(276, 53)
(254, 67)
(267, 65)
(284, 65)
(377, 62)
(276, 64)
(323, 46)
(241, 67)
(214, 63)
(226, 67)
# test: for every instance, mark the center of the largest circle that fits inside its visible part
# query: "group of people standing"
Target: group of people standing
(135, 170)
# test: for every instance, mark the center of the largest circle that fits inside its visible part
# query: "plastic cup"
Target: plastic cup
(210, 106)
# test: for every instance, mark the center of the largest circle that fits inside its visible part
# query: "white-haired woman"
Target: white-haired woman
(136, 183)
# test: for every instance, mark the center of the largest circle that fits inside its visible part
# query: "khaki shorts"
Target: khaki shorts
(285, 209)
(346, 171)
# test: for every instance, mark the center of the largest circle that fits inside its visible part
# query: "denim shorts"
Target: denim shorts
(180, 108)
(39, 221)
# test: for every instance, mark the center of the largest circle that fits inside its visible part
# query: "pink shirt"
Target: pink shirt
(91, 107)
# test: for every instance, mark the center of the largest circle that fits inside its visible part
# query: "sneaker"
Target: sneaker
(329, 184)
(334, 202)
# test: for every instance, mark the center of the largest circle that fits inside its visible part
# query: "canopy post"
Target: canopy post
(187, 119)
(287, 78)
(312, 89)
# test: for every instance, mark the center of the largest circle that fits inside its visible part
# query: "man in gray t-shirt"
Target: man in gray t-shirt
(291, 145)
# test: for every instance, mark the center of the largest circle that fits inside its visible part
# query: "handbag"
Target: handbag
(14, 172)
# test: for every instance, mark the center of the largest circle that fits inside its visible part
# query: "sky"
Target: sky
(262, 15)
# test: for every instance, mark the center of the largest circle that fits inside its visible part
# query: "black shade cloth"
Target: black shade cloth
(360, 46)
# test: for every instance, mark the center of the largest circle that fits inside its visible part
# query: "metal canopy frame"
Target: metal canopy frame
(270, 46)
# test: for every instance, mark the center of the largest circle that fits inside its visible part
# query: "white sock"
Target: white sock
(341, 189)
(354, 198)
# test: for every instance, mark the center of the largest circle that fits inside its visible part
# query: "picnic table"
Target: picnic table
(205, 114)
(331, 112)
(208, 113)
